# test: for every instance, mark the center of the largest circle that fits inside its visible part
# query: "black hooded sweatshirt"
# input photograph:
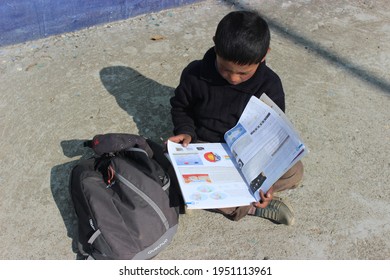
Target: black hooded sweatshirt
(205, 105)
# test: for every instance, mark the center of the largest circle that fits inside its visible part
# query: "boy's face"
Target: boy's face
(235, 73)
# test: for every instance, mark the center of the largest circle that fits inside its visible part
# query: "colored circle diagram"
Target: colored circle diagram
(212, 157)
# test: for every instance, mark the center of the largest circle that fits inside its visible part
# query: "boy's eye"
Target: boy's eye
(232, 72)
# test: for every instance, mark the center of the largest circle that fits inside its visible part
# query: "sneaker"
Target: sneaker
(278, 210)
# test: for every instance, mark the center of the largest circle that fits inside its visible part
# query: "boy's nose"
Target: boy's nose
(234, 79)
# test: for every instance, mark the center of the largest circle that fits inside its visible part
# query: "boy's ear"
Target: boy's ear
(269, 49)
(214, 39)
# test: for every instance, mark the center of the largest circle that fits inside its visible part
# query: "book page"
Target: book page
(264, 144)
(208, 176)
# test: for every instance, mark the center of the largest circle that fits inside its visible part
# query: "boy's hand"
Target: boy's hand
(184, 139)
(265, 199)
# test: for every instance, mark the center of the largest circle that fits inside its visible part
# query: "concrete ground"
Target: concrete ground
(333, 58)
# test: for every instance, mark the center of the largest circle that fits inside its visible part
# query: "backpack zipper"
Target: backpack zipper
(146, 198)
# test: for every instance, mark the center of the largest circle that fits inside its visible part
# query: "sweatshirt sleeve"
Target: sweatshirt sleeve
(273, 88)
(277, 94)
(182, 107)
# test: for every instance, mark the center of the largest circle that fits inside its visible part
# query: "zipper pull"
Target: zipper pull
(110, 177)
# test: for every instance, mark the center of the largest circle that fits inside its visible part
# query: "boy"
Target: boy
(214, 91)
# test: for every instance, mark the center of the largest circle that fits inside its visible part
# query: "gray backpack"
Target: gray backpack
(121, 199)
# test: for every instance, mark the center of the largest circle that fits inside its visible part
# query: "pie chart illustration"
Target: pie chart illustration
(212, 157)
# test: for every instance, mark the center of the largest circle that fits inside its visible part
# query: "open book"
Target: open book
(259, 149)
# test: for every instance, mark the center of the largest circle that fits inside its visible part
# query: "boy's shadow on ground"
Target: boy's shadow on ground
(145, 100)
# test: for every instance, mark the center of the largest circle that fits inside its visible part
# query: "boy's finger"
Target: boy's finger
(262, 196)
(176, 139)
(186, 141)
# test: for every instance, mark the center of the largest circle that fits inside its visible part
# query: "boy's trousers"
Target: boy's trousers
(289, 180)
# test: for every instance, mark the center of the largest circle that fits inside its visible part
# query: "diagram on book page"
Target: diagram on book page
(233, 134)
(207, 176)
(189, 159)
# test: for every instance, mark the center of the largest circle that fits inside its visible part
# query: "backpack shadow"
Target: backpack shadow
(59, 185)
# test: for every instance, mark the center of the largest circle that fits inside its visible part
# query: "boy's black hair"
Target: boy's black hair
(242, 37)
